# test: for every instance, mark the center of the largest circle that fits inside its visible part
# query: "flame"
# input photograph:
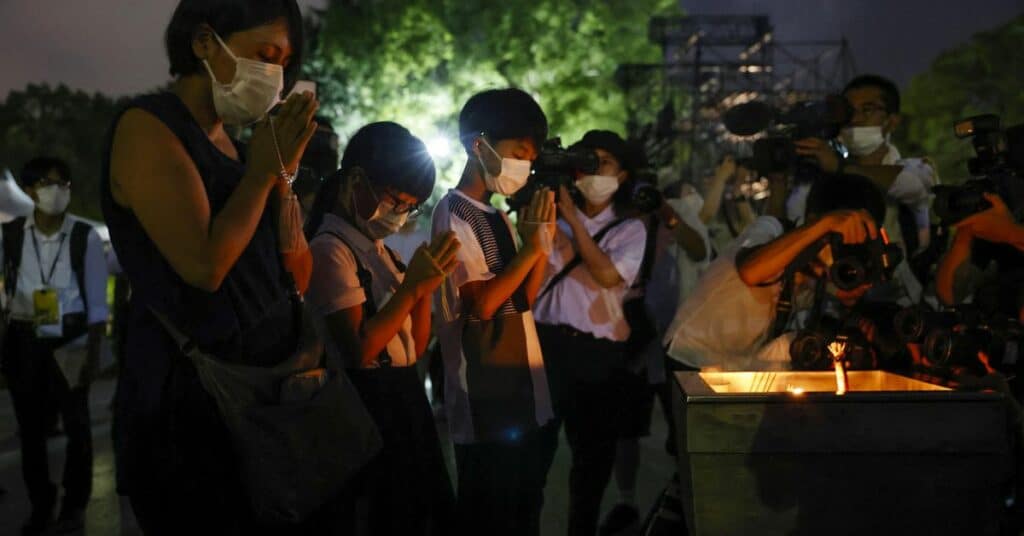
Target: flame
(986, 362)
(794, 390)
(837, 349)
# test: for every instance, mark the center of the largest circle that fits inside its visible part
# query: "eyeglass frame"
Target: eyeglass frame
(412, 209)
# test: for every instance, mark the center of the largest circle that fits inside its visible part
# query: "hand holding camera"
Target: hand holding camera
(995, 224)
(856, 226)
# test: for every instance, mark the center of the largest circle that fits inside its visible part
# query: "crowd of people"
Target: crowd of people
(256, 297)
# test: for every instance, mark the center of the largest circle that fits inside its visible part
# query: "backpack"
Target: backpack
(13, 242)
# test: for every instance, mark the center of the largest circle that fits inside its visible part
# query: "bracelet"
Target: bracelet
(283, 174)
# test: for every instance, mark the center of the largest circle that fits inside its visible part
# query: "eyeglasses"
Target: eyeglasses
(870, 110)
(43, 182)
(398, 207)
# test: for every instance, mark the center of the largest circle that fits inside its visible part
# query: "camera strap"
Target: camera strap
(577, 260)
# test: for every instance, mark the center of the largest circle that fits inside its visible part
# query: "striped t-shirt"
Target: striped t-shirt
(495, 385)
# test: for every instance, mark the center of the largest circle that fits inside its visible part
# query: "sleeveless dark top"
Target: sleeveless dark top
(249, 320)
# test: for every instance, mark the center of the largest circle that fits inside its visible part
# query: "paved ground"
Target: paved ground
(108, 515)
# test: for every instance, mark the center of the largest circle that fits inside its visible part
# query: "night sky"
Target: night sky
(114, 46)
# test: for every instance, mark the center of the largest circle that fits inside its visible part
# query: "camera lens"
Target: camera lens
(848, 273)
(909, 325)
(807, 351)
(938, 346)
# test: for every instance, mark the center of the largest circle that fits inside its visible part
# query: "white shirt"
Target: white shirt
(473, 266)
(52, 248)
(334, 286)
(578, 300)
(724, 322)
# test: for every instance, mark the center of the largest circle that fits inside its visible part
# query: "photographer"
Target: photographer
(990, 236)
(597, 253)
(210, 237)
(875, 103)
(725, 323)
(496, 389)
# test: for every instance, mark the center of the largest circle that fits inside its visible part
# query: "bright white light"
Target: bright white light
(439, 147)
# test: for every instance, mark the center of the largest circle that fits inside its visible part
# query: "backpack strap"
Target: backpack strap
(577, 260)
(79, 244)
(650, 244)
(366, 281)
(13, 240)
(394, 259)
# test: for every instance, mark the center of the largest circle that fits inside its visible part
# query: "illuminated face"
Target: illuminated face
(515, 148)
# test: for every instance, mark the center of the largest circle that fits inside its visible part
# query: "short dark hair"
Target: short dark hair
(39, 167)
(228, 17)
(890, 92)
(389, 156)
(502, 114)
(846, 192)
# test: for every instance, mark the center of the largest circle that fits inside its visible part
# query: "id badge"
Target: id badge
(47, 315)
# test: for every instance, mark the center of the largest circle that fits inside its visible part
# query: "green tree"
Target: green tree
(42, 120)
(418, 61)
(980, 76)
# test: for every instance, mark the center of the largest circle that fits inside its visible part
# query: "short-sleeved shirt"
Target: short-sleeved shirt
(492, 392)
(725, 322)
(55, 272)
(578, 300)
(334, 286)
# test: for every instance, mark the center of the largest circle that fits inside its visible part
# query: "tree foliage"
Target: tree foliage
(42, 120)
(418, 61)
(980, 76)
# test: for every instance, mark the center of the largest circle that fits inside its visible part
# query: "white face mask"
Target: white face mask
(254, 90)
(862, 140)
(383, 223)
(513, 176)
(598, 189)
(53, 199)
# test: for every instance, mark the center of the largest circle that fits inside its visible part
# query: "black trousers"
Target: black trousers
(39, 393)
(501, 484)
(406, 487)
(585, 375)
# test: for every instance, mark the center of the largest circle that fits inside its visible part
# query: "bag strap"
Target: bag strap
(650, 244)
(13, 239)
(577, 260)
(78, 246)
(366, 281)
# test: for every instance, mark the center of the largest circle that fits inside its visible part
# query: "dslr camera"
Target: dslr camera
(776, 153)
(997, 168)
(954, 339)
(855, 265)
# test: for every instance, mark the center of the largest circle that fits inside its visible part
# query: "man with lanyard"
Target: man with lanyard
(55, 276)
(907, 182)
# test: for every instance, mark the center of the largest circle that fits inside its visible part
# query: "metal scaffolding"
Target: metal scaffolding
(713, 62)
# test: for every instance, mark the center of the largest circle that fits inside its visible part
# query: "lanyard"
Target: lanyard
(39, 259)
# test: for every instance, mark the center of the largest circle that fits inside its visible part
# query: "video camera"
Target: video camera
(997, 168)
(955, 338)
(555, 167)
(776, 153)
